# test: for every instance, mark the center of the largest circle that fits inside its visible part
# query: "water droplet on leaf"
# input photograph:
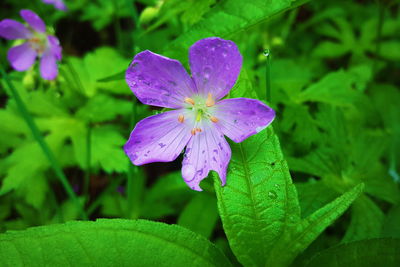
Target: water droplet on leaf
(272, 194)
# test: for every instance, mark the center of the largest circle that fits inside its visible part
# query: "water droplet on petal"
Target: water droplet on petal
(272, 194)
(260, 128)
(188, 172)
(266, 52)
(206, 72)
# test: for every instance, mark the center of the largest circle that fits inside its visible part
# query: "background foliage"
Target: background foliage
(334, 76)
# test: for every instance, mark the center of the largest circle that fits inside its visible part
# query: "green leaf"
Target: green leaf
(107, 149)
(390, 50)
(158, 201)
(259, 200)
(225, 19)
(391, 227)
(313, 195)
(366, 220)
(335, 88)
(109, 242)
(102, 107)
(114, 77)
(373, 252)
(302, 235)
(200, 215)
(84, 74)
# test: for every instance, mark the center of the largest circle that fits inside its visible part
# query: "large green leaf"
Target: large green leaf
(366, 220)
(108, 243)
(259, 200)
(373, 252)
(227, 18)
(300, 237)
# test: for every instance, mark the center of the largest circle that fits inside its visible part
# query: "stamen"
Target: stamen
(193, 131)
(198, 130)
(210, 101)
(189, 101)
(181, 118)
(199, 114)
(214, 119)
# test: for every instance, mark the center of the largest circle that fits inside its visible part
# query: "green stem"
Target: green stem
(267, 53)
(42, 143)
(135, 183)
(88, 160)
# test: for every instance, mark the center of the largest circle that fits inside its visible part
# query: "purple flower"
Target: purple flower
(38, 44)
(200, 119)
(59, 4)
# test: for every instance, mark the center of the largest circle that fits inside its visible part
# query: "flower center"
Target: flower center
(38, 42)
(200, 107)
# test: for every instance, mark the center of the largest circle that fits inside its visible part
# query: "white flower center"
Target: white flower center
(200, 107)
(38, 42)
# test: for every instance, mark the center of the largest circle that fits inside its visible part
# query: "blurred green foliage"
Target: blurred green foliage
(334, 84)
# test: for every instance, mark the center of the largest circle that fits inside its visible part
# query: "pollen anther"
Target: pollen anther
(193, 131)
(181, 118)
(214, 119)
(189, 101)
(210, 101)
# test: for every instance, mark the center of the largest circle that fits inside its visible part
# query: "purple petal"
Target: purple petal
(33, 20)
(159, 138)
(48, 65)
(207, 150)
(215, 64)
(55, 47)
(159, 81)
(239, 118)
(11, 30)
(21, 57)
(59, 4)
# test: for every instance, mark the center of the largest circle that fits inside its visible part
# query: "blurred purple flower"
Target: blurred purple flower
(38, 44)
(59, 4)
(200, 119)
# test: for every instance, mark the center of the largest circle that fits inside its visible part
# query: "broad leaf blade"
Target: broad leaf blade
(301, 236)
(366, 220)
(227, 18)
(373, 252)
(108, 243)
(259, 200)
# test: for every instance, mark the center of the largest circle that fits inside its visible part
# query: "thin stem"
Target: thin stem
(42, 143)
(267, 53)
(88, 160)
(135, 183)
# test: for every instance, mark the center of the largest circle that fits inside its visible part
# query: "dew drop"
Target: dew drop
(224, 54)
(272, 194)
(206, 72)
(266, 52)
(188, 172)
